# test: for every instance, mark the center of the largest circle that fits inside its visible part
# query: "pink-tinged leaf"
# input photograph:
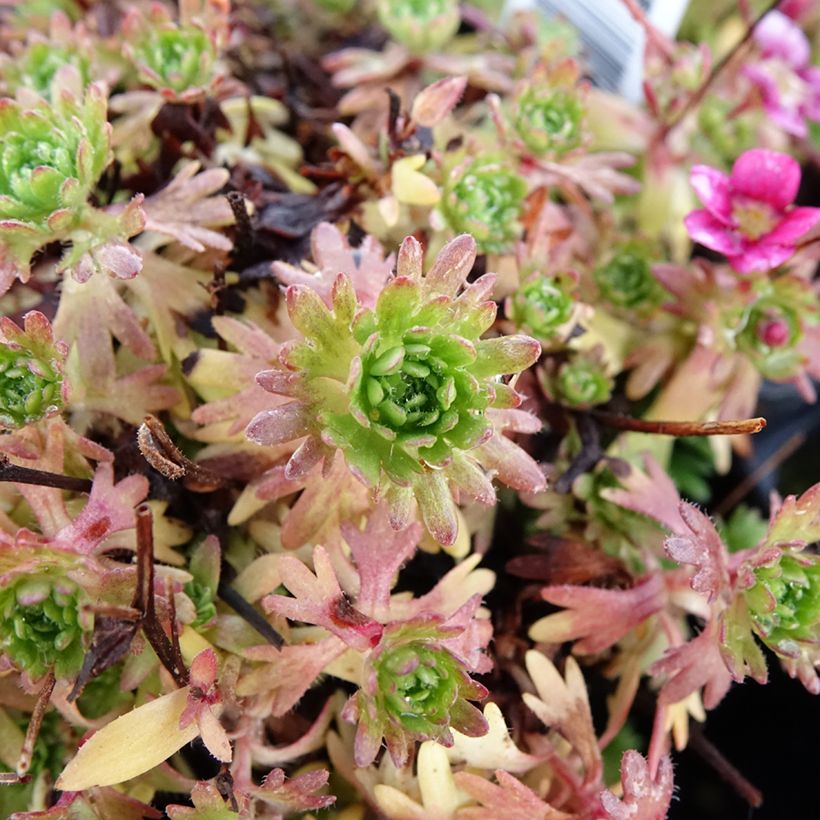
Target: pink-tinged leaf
(701, 546)
(796, 521)
(110, 508)
(712, 233)
(436, 506)
(511, 465)
(597, 618)
(738, 647)
(379, 552)
(214, 736)
(203, 670)
(354, 148)
(410, 259)
(287, 673)
(296, 795)
(319, 600)
(644, 797)
(285, 423)
(309, 453)
(516, 421)
(453, 263)
(434, 103)
(692, 666)
(505, 354)
(467, 475)
(713, 189)
(651, 493)
(766, 176)
(509, 799)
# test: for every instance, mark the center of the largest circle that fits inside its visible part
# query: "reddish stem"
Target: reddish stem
(33, 731)
(733, 427)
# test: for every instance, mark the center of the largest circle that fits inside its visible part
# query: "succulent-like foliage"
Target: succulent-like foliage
(42, 625)
(420, 25)
(414, 689)
(784, 601)
(582, 381)
(51, 158)
(626, 279)
(406, 390)
(178, 59)
(548, 110)
(484, 197)
(542, 306)
(31, 371)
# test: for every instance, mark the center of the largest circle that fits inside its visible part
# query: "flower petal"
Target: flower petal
(797, 222)
(713, 189)
(766, 176)
(711, 233)
(760, 257)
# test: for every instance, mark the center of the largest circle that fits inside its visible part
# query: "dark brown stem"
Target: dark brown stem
(700, 93)
(244, 227)
(169, 656)
(166, 458)
(246, 611)
(41, 478)
(735, 427)
(714, 757)
(33, 731)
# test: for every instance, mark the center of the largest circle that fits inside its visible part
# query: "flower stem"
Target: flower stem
(714, 757)
(734, 427)
(27, 475)
(700, 92)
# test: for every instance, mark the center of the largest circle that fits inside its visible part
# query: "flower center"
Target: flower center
(755, 219)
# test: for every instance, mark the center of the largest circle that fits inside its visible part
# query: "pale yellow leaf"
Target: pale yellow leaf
(130, 745)
(412, 187)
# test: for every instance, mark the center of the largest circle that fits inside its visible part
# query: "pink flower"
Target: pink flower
(788, 84)
(747, 215)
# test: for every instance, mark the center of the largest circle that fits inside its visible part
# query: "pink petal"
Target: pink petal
(793, 226)
(713, 190)
(766, 176)
(711, 233)
(760, 257)
(778, 36)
